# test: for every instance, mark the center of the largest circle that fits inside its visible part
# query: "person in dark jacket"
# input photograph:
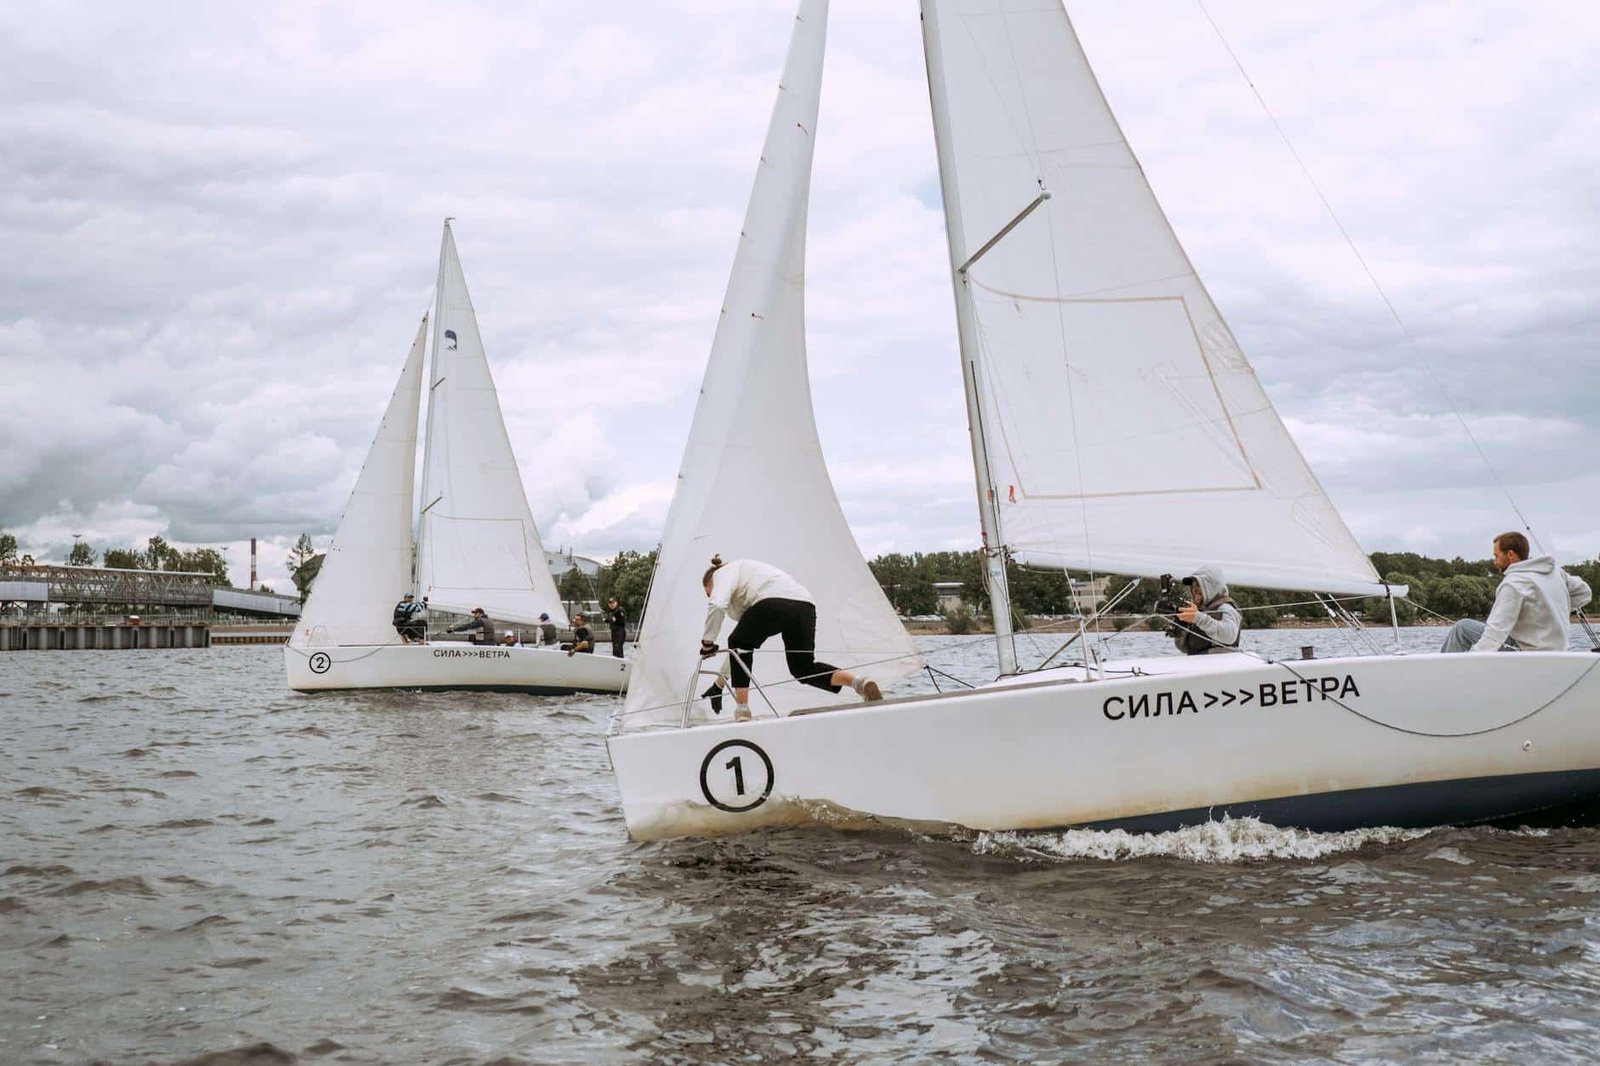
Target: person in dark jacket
(410, 619)
(478, 625)
(619, 626)
(582, 638)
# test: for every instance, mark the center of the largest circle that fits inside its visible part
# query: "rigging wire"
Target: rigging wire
(1411, 341)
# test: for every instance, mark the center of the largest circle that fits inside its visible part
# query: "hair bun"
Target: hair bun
(716, 560)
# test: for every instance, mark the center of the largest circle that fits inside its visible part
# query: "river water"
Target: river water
(197, 866)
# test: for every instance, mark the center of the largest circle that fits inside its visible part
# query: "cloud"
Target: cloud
(221, 226)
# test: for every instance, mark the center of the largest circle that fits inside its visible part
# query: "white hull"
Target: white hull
(1323, 744)
(452, 665)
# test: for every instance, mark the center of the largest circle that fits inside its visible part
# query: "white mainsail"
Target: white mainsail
(477, 545)
(1126, 432)
(368, 566)
(753, 483)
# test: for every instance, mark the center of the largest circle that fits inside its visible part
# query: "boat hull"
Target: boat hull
(452, 665)
(1323, 744)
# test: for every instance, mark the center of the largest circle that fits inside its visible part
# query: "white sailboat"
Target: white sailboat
(1107, 399)
(476, 542)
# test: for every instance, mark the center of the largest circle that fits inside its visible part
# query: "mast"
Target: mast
(994, 554)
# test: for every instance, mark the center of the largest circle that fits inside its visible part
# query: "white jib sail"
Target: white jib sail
(477, 545)
(367, 568)
(753, 483)
(1127, 433)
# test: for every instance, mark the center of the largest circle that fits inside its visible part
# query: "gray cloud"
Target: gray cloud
(221, 226)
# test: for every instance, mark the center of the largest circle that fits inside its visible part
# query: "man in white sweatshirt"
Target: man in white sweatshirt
(1532, 608)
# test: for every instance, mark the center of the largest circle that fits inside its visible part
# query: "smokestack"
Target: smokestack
(252, 564)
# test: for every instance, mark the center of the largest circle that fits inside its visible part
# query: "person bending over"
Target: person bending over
(1532, 607)
(764, 602)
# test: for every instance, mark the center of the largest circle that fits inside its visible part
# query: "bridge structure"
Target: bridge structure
(35, 589)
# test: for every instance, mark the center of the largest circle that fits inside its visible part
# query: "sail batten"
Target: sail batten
(1125, 430)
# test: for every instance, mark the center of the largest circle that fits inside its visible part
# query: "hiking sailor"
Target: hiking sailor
(765, 602)
(1532, 607)
(1210, 622)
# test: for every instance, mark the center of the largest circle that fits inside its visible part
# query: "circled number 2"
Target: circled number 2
(736, 776)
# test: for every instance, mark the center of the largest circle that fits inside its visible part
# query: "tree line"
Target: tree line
(157, 554)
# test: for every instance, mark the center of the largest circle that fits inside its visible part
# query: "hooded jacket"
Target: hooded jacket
(1533, 607)
(1217, 625)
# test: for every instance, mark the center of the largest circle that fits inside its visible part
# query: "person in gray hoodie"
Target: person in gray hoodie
(1532, 607)
(1211, 622)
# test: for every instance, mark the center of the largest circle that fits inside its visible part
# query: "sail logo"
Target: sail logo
(1267, 694)
(471, 653)
(450, 335)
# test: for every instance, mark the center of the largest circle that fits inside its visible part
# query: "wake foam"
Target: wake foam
(1225, 841)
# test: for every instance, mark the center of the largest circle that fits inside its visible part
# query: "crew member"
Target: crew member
(618, 621)
(510, 640)
(410, 619)
(764, 602)
(547, 632)
(478, 625)
(582, 639)
(1209, 622)
(1532, 607)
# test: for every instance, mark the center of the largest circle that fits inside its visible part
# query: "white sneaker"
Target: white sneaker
(870, 691)
(741, 712)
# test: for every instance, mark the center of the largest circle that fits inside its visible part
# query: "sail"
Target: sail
(477, 545)
(1126, 431)
(368, 567)
(753, 483)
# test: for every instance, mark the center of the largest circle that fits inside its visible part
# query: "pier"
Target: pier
(81, 608)
(72, 636)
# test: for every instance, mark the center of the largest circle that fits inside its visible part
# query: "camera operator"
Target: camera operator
(1209, 622)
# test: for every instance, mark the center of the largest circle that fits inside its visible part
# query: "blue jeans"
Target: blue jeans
(1467, 632)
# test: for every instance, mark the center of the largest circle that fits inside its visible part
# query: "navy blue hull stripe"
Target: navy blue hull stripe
(1464, 801)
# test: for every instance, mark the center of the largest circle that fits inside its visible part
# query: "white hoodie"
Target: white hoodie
(736, 586)
(1533, 607)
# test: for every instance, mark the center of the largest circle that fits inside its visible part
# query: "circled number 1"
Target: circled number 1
(738, 773)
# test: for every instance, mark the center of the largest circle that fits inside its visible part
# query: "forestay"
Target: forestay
(477, 545)
(367, 568)
(753, 483)
(1126, 431)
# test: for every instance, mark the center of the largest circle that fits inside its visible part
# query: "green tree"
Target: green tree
(8, 549)
(81, 555)
(575, 586)
(124, 559)
(204, 561)
(627, 577)
(305, 573)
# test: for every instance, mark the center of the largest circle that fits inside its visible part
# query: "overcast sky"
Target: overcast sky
(221, 225)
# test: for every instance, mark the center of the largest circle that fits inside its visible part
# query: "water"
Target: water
(197, 866)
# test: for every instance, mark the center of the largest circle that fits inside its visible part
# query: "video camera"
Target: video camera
(1174, 596)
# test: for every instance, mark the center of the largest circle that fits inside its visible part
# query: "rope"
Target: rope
(1384, 296)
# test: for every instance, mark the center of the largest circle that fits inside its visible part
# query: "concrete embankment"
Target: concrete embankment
(70, 637)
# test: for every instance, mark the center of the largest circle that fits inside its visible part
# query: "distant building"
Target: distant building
(948, 595)
(1088, 595)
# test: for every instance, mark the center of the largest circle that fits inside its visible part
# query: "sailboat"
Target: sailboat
(475, 541)
(1116, 427)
